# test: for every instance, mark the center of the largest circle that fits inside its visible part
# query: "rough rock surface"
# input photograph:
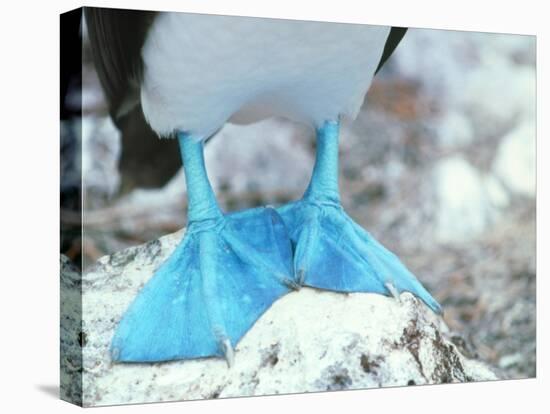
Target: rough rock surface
(307, 341)
(70, 333)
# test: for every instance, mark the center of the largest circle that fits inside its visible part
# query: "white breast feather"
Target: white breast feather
(200, 70)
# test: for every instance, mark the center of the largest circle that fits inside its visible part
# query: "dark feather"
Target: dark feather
(395, 36)
(116, 39)
(145, 161)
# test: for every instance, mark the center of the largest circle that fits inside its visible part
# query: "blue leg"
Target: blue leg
(333, 252)
(225, 273)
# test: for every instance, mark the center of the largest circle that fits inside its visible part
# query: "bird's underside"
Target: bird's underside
(198, 71)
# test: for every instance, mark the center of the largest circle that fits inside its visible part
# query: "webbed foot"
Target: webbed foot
(222, 277)
(226, 272)
(333, 252)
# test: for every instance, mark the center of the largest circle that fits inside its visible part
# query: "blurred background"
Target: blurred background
(439, 166)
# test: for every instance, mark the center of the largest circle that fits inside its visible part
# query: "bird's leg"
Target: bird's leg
(227, 270)
(331, 251)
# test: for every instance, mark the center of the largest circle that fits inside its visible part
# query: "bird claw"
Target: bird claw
(292, 284)
(393, 291)
(301, 277)
(228, 351)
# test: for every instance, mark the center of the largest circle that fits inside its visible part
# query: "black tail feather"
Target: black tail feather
(395, 36)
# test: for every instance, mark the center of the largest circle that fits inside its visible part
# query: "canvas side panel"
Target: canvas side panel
(72, 339)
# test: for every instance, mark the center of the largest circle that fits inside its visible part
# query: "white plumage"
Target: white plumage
(201, 70)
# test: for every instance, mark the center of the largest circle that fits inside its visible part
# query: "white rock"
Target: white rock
(509, 360)
(496, 193)
(70, 333)
(100, 153)
(515, 161)
(307, 341)
(464, 207)
(455, 130)
(498, 93)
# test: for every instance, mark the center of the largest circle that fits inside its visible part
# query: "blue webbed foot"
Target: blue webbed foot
(333, 252)
(224, 274)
